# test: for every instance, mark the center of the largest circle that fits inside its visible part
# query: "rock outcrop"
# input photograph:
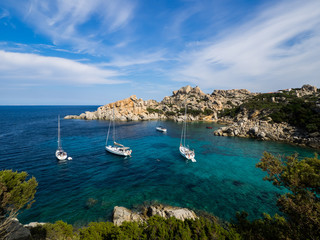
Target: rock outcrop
(201, 106)
(16, 231)
(256, 122)
(264, 131)
(122, 214)
(129, 109)
(209, 107)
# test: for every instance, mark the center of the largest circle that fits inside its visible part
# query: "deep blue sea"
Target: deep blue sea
(224, 179)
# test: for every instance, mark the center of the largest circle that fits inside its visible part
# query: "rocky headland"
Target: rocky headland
(290, 115)
(201, 106)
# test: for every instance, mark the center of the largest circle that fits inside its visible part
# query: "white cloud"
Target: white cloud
(78, 23)
(280, 48)
(25, 68)
(138, 59)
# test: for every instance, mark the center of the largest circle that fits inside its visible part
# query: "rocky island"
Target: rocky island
(291, 115)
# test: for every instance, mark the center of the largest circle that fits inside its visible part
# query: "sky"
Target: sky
(79, 52)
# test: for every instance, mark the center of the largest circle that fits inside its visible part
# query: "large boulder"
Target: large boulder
(122, 214)
(169, 211)
(16, 231)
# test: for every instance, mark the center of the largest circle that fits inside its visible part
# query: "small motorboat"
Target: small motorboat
(209, 127)
(161, 129)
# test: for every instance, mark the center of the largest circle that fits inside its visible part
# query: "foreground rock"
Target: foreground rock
(16, 231)
(122, 214)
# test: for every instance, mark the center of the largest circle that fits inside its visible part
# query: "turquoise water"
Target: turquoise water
(224, 179)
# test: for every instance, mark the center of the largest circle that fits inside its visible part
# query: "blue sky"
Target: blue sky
(99, 51)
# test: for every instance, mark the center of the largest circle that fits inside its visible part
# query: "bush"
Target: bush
(207, 112)
(16, 194)
(191, 112)
(169, 113)
(282, 107)
(59, 230)
(153, 110)
(300, 205)
(155, 227)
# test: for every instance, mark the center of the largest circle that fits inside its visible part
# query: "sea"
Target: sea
(223, 181)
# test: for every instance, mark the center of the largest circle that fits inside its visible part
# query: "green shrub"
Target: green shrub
(97, 231)
(155, 227)
(191, 112)
(282, 107)
(207, 112)
(153, 110)
(300, 205)
(16, 194)
(170, 113)
(59, 231)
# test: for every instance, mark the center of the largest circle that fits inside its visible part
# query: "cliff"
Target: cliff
(129, 109)
(201, 106)
(291, 115)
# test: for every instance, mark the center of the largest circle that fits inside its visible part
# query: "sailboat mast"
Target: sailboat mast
(113, 132)
(183, 133)
(185, 125)
(108, 132)
(59, 141)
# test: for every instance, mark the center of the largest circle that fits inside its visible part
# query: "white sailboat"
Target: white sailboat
(116, 148)
(60, 154)
(185, 151)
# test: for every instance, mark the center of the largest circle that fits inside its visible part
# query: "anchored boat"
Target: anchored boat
(61, 155)
(184, 149)
(116, 148)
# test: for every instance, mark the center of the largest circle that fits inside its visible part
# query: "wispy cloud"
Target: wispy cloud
(278, 48)
(4, 13)
(26, 68)
(77, 23)
(174, 28)
(138, 59)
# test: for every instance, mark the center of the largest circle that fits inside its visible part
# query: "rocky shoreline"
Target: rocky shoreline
(208, 107)
(265, 131)
(120, 215)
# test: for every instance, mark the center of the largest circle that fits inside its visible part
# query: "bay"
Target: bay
(224, 179)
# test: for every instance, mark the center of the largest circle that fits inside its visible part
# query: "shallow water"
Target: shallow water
(224, 179)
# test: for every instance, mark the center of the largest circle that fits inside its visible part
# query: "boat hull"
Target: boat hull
(61, 155)
(187, 153)
(118, 151)
(161, 129)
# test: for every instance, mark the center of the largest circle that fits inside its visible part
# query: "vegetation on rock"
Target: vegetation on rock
(300, 205)
(16, 193)
(301, 112)
(154, 228)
